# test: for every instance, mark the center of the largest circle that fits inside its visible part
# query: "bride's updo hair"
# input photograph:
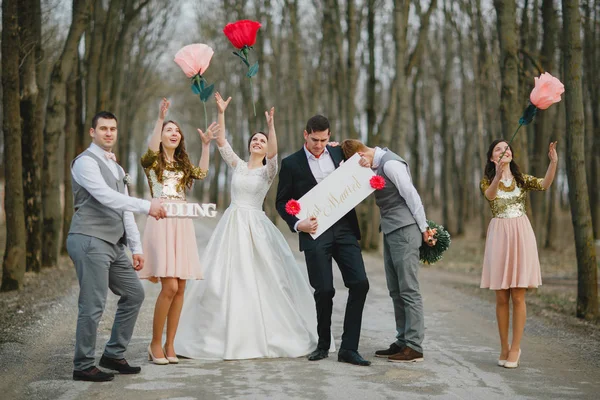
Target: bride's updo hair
(264, 161)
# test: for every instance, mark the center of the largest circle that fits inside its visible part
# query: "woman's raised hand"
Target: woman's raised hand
(552, 154)
(221, 104)
(210, 134)
(164, 107)
(269, 117)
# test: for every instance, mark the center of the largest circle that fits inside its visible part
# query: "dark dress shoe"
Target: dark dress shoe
(92, 374)
(393, 349)
(352, 357)
(120, 365)
(318, 354)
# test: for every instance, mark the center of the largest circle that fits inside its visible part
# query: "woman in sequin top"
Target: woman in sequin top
(170, 244)
(510, 262)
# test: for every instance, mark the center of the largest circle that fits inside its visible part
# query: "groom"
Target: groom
(300, 172)
(101, 227)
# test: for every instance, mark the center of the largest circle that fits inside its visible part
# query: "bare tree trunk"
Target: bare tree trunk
(13, 267)
(591, 65)
(30, 21)
(510, 107)
(415, 159)
(95, 36)
(587, 270)
(55, 122)
(70, 135)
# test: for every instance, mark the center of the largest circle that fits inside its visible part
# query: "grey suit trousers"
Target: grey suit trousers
(101, 266)
(401, 259)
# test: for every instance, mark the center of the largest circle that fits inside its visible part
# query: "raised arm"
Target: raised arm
(221, 107)
(551, 172)
(272, 143)
(211, 133)
(156, 134)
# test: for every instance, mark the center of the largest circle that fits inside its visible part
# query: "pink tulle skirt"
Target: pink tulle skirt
(170, 250)
(511, 256)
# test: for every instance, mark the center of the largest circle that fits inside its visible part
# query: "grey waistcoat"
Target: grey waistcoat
(92, 218)
(394, 211)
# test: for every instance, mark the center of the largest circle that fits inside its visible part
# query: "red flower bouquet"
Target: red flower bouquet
(242, 35)
(377, 182)
(292, 207)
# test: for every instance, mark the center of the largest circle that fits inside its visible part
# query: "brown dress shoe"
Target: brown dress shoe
(406, 356)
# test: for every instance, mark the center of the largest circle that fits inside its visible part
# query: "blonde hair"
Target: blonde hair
(352, 146)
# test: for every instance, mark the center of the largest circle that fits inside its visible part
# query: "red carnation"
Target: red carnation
(292, 207)
(377, 182)
(242, 33)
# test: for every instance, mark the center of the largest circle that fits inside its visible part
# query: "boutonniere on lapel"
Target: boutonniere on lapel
(127, 179)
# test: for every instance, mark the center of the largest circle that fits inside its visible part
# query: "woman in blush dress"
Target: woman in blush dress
(255, 300)
(170, 244)
(510, 262)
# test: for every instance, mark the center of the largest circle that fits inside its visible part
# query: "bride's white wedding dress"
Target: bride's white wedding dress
(255, 300)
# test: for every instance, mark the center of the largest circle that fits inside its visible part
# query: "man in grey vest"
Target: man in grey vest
(404, 228)
(101, 227)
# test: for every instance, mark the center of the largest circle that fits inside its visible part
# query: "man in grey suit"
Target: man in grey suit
(101, 227)
(404, 228)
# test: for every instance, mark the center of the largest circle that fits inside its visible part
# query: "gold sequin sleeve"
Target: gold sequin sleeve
(532, 183)
(149, 158)
(199, 173)
(484, 185)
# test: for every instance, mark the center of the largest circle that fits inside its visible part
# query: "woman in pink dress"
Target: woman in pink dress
(170, 244)
(510, 261)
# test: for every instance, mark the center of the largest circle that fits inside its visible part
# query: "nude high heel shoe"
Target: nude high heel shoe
(512, 364)
(157, 361)
(172, 360)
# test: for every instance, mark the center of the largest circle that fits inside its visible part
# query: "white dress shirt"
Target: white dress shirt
(320, 167)
(86, 173)
(397, 172)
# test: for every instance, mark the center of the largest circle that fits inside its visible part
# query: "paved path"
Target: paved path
(460, 357)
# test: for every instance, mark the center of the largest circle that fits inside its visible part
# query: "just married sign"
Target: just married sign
(190, 210)
(337, 194)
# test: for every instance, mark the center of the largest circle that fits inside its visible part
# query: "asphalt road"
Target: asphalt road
(460, 357)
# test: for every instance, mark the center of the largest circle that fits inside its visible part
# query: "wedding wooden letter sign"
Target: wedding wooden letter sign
(337, 194)
(190, 210)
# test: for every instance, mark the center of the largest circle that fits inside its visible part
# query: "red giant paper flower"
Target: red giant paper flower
(292, 207)
(377, 182)
(242, 33)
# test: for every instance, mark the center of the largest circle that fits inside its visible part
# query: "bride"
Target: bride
(255, 300)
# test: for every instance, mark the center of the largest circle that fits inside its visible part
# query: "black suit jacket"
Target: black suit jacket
(295, 180)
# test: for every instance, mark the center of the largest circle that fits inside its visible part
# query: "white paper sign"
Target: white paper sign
(337, 194)
(190, 210)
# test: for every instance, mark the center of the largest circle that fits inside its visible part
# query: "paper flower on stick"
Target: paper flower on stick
(292, 207)
(242, 35)
(546, 92)
(377, 182)
(194, 60)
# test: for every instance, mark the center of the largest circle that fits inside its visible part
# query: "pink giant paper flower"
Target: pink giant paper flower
(546, 92)
(194, 59)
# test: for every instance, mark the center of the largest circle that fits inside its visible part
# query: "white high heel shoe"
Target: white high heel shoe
(155, 360)
(501, 363)
(513, 364)
(172, 360)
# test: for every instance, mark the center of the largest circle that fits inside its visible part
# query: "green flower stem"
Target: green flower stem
(510, 141)
(205, 117)
(252, 96)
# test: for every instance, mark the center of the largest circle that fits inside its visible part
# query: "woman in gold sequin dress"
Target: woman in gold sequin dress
(170, 244)
(510, 262)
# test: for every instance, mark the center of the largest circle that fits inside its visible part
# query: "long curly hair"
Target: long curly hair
(181, 160)
(490, 167)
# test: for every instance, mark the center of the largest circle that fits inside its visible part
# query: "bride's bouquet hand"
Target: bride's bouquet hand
(221, 104)
(210, 134)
